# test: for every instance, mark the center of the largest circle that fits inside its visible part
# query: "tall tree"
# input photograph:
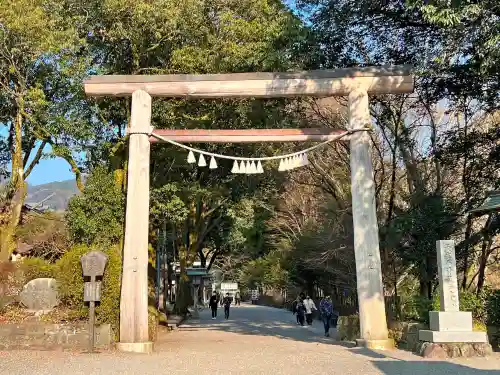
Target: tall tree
(39, 91)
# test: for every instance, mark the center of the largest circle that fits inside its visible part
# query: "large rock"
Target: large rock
(40, 294)
(433, 351)
(453, 350)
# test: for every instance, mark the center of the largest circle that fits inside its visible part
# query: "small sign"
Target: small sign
(229, 286)
(92, 291)
(94, 263)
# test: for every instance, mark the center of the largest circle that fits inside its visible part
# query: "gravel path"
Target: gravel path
(255, 340)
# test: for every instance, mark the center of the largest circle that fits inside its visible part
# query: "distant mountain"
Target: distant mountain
(57, 194)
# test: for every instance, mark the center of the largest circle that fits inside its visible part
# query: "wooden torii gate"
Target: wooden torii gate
(356, 83)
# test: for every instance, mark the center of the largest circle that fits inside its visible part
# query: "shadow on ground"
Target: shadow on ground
(428, 367)
(391, 365)
(281, 326)
(277, 329)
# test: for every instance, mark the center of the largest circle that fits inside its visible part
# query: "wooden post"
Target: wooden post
(372, 318)
(92, 320)
(134, 335)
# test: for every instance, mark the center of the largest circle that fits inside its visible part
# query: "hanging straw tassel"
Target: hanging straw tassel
(213, 163)
(300, 160)
(305, 161)
(285, 164)
(259, 167)
(236, 168)
(281, 167)
(253, 168)
(201, 161)
(191, 158)
(243, 168)
(288, 164)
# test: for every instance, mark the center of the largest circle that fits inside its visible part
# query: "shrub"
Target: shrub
(47, 233)
(468, 302)
(492, 303)
(100, 206)
(417, 309)
(348, 328)
(478, 326)
(34, 268)
(68, 273)
(108, 310)
(153, 321)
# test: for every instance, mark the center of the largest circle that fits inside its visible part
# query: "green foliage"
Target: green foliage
(468, 302)
(479, 326)
(167, 204)
(417, 230)
(484, 307)
(417, 309)
(493, 307)
(267, 271)
(34, 268)
(108, 310)
(97, 215)
(68, 273)
(348, 328)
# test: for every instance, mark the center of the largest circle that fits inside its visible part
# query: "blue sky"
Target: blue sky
(48, 170)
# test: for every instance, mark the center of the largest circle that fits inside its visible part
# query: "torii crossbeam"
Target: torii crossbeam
(356, 83)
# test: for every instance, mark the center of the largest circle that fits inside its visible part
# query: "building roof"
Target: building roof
(490, 204)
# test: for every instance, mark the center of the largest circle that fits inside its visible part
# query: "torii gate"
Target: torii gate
(356, 83)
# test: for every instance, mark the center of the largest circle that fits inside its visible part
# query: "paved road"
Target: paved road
(255, 340)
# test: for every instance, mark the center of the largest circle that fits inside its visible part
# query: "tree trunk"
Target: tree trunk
(182, 294)
(8, 231)
(466, 265)
(483, 259)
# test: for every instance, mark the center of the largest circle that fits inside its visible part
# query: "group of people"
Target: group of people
(304, 306)
(226, 301)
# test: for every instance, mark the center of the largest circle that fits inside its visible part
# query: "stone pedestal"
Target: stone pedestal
(450, 325)
(460, 321)
(452, 336)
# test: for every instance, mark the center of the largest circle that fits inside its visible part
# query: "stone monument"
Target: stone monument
(450, 325)
(40, 294)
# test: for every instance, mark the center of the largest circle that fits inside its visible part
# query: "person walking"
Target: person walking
(227, 303)
(237, 298)
(326, 309)
(310, 306)
(294, 308)
(301, 310)
(213, 303)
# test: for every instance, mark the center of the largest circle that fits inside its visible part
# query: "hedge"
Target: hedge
(68, 273)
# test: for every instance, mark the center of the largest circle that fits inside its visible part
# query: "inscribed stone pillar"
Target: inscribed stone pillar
(449, 324)
(372, 318)
(447, 272)
(134, 291)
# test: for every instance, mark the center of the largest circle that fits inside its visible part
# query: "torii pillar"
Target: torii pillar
(372, 317)
(134, 332)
